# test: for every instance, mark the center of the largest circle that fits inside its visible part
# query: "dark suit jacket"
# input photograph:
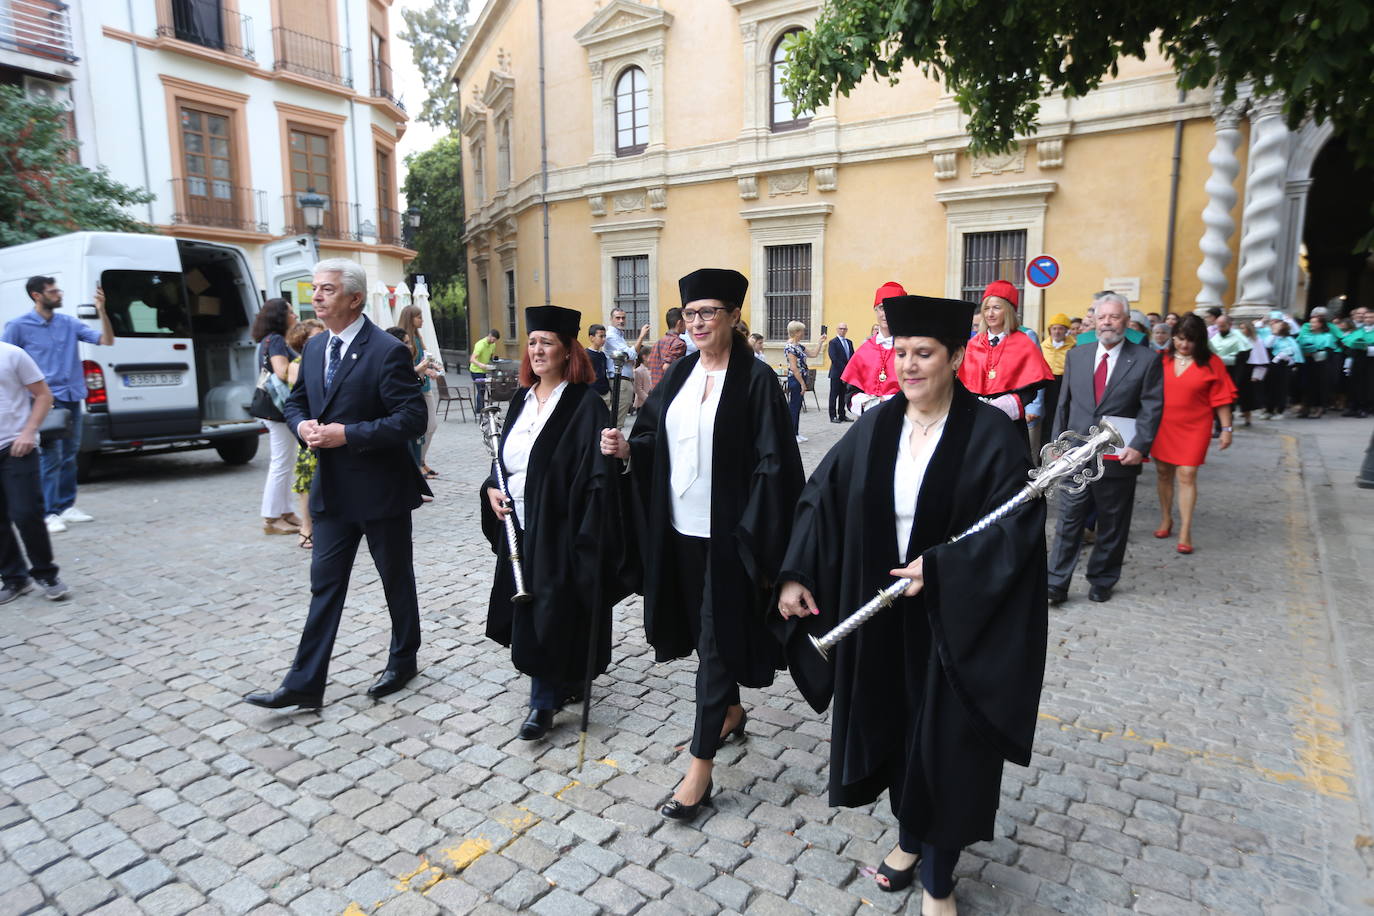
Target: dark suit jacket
(1134, 389)
(376, 396)
(838, 357)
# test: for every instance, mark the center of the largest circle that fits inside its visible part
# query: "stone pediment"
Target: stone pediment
(499, 90)
(624, 22)
(474, 120)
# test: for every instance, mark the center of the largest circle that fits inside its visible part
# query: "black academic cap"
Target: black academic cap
(553, 318)
(713, 283)
(925, 316)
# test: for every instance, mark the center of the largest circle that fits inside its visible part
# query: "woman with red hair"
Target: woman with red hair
(1002, 365)
(559, 494)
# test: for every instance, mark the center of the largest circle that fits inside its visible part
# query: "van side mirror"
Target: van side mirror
(86, 311)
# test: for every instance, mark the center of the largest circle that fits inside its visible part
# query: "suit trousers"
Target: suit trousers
(331, 563)
(21, 509)
(839, 397)
(1114, 499)
(716, 687)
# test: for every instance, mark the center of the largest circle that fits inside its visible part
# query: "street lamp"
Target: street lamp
(413, 217)
(312, 207)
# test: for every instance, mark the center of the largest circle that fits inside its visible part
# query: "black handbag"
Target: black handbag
(263, 407)
(56, 425)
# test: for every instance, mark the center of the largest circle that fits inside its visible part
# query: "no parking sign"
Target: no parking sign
(1042, 270)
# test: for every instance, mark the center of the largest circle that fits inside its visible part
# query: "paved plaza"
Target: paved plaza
(1200, 750)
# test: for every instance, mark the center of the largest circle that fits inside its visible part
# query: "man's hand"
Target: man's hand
(1130, 456)
(99, 299)
(915, 571)
(796, 600)
(305, 429)
(26, 442)
(330, 435)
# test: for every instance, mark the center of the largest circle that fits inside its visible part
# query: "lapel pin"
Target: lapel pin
(355, 356)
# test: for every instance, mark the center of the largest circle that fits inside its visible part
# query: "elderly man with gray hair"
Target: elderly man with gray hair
(1089, 336)
(357, 402)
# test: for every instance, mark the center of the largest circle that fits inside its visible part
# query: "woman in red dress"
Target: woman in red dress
(1195, 385)
(1002, 365)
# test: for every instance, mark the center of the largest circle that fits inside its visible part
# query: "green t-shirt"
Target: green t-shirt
(481, 354)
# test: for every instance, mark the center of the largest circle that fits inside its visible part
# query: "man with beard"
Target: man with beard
(52, 340)
(1114, 378)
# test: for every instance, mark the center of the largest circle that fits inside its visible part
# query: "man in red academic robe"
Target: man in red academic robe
(870, 369)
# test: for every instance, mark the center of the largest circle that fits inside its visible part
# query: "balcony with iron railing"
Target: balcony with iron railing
(41, 28)
(335, 222)
(306, 55)
(217, 204)
(383, 85)
(391, 227)
(207, 23)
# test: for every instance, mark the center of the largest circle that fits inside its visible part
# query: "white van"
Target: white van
(182, 369)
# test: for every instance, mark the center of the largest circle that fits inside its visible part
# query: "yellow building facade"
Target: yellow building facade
(670, 148)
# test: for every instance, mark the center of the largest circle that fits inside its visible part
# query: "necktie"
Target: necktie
(335, 349)
(994, 341)
(1100, 380)
(848, 347)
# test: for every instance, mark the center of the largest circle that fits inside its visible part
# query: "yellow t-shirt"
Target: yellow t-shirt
(481, 354)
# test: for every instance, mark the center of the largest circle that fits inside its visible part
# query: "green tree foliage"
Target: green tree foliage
(434, 185)
(998, 59)
(435, 34)
(43, 191)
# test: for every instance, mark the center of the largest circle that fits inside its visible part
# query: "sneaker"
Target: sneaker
(55, 524)
(54, 589)
(801, 439)
(73, 514)
(9, 592)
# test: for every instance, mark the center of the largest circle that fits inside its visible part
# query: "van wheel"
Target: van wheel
(85, 461)
(238, 451)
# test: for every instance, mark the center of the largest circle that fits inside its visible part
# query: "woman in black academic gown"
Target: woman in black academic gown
(560, 488)
(714, 476)
(933, 693)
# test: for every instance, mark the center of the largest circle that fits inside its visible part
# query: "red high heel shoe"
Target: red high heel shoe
(1184, 548)
(1163, 533)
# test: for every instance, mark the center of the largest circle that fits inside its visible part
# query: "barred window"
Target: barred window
(788, 293)
(632, 292)
(510, 304)
(992, 256)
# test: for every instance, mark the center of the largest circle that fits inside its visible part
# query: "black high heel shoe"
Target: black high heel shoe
(894, 880)
(675, 810)
(738, 730)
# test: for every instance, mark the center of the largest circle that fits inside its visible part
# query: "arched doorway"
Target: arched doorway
(1340, 212)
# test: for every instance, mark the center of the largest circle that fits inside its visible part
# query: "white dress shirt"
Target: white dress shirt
(690, 426)
(515, 452)
(1112, 356)
(907, 477)
(617, 345)
(347, 335)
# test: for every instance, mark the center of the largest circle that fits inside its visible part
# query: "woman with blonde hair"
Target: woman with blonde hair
(797, 355)
(1002, 365)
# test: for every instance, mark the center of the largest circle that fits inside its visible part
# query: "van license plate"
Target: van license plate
(151, 379)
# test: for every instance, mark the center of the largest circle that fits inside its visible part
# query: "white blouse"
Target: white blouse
(690, 426)
(906, 481)
(515, 451)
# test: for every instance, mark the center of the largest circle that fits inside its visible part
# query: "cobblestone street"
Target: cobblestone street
(1195, 751)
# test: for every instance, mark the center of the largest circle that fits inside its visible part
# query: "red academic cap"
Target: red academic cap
(1002, 289)
(887, 291)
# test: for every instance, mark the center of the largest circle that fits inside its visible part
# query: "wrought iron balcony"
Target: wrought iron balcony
(207, 23)
(211, 202)
(38, 27)
(382, 85)
(335, 225)
(297, 52)
(391, 227)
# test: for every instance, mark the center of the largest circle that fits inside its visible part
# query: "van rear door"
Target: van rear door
(288, 264)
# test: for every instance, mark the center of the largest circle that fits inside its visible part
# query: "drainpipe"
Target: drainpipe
(544, 157)
(353, 122)
(1168, 285)
(138, 102)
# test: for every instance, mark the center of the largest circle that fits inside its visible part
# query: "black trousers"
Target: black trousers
(1276, 384)
(1114, 498)
(1240, 377)
(839, 397)
(331, 564)
(937, 865)
(21, 507)
(1361, 386)
(716, 687)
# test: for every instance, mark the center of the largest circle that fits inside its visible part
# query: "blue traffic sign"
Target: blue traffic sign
(1042, 271)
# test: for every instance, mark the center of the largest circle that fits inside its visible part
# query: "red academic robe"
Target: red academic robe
(1015, 366)
(871, 370)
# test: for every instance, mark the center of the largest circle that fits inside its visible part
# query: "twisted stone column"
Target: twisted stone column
(1221, 199)
(1264, 200)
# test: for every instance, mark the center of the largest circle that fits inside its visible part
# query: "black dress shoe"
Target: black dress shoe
(1057, 596)
(282, 698)
(1100, 593)
(537, 725)
(390, 682)
(675, 810)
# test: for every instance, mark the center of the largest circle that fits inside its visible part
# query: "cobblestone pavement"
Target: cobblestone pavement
(1192, 754)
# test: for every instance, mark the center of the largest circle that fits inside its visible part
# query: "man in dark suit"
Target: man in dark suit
(357, 401)
(1114, 378)
(839, 351)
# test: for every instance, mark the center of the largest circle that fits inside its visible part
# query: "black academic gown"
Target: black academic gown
(756, 476)
(568, 545)
(933, 693)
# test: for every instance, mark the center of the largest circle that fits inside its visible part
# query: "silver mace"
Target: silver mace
(1062, 464)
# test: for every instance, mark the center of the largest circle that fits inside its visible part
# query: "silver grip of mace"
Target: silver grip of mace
(1063, 464)
(491, 437)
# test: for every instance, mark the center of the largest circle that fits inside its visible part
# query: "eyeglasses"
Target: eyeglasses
(707, 313)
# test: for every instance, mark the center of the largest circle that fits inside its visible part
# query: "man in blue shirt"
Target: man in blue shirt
(617, 345)
(51, 339)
